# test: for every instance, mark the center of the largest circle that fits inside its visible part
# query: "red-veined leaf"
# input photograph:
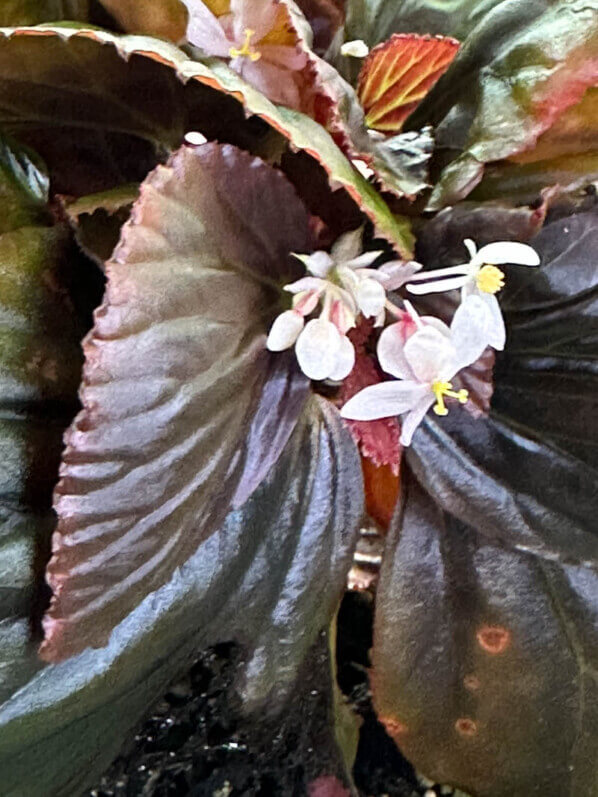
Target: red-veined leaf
(398, 74)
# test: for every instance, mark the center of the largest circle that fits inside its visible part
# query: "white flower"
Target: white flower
(424, 364)
(480, 277)
(344, 285)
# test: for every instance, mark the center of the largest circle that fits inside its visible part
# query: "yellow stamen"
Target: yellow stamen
(246, 50)
(442, 389)
(490, 279)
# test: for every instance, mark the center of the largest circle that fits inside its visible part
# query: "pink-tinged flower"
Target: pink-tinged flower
(424, 362)
(344, 285)
(257, 39)
(480, 277)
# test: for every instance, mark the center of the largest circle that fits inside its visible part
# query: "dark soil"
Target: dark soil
(196, 743)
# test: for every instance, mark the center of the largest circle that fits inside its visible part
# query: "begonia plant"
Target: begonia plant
(271, 273)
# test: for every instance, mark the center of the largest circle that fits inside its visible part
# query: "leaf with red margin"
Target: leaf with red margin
(566, 156)
(97, 219)
(485, 639)
(270, 578)
(522, 68)
(330, 100)
(396, 163)
(174, 368)
(117, 103)
(397, 75)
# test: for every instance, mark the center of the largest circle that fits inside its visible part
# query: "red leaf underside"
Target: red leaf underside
(398, 74)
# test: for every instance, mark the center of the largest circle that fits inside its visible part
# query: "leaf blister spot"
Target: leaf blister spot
(394, 726)
(465, 726)
(494, 639)
(472, 683)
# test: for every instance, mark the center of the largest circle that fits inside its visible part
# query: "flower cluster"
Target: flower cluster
(423, 354)
(342, 285)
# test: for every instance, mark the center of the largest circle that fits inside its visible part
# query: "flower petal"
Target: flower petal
(449, 271)
(471, 248)
(431, 320)
(429, 353)
(345, 360)
(257, 15)
(441, 285)
(305, 302)
(391, 351)
(319, 263)
(364, 260)
(284, 56)
(284, 331)
(341, 316)
(348, 278)
(362, 167)
(384, 400)
(380, 318)
(276, 82)
(306, 284)
(413, 419)
(348, 246)
(507, 252)
(395, 274)
(317, 348)
(470, 329)
(205, 31)
(497, 333)
(370, 297)
(348, 299)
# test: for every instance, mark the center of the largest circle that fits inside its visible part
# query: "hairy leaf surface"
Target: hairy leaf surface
(174, 369)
